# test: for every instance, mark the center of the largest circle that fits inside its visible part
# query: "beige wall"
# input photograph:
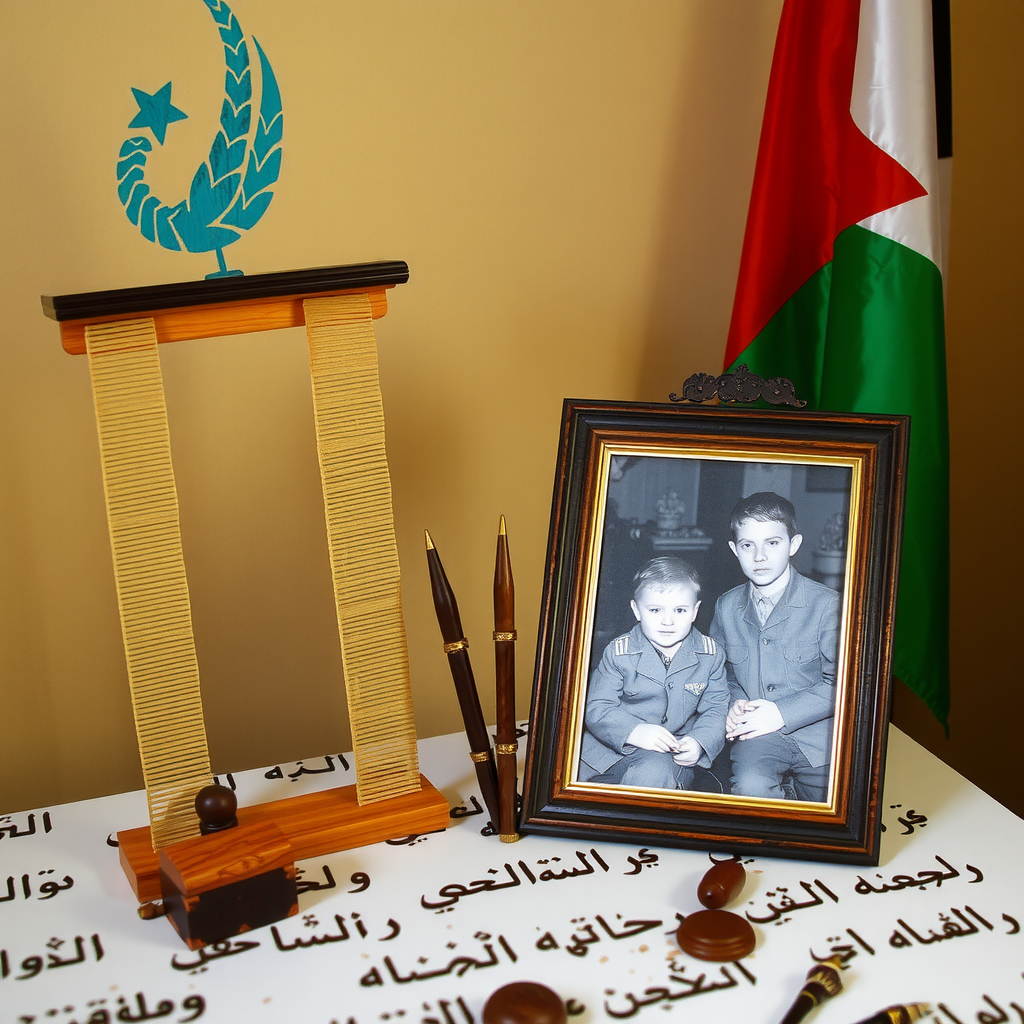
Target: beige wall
(568, 183)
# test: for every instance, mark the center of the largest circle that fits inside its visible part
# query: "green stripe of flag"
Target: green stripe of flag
(865, 334)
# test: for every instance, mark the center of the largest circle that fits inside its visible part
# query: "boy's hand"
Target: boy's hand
(759, 718)
(652, 737)
(688, 752)
(732, 721)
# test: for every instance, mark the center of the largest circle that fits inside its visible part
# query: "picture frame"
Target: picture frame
(824, 659)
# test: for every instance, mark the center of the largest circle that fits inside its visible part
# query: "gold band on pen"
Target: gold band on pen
(479, 756)
(498, 635)
(827, 977)
(457, 645)
(506, 748)
(512, 837)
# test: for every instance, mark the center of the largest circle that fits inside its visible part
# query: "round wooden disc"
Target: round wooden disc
(718, 935)
(524, 1002)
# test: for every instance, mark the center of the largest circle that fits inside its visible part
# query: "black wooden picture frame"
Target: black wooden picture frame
(613, 458)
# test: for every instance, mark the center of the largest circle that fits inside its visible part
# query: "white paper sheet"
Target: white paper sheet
(423, 930)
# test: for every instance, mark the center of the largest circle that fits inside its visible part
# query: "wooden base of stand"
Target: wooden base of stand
(314, 824)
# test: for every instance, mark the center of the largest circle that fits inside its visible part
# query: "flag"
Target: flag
(839, 286)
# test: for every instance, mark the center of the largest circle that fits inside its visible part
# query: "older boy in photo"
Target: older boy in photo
(780, 632)
(657, 702)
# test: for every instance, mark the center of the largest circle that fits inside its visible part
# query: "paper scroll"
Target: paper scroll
(149, 571)
(361, 538)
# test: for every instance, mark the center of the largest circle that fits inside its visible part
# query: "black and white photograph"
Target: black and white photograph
(716, 627)
(713, 665)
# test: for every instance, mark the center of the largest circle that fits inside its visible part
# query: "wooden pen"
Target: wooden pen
(505, 687)
(456, 646)
(822, 982)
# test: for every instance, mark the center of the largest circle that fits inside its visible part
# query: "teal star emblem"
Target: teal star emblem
(156, 111)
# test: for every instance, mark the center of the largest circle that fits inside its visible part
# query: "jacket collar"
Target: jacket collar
(649, 662)
(794, 596)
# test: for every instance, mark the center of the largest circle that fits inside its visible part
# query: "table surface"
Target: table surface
(406, 931)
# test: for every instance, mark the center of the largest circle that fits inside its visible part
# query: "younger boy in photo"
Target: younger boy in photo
(657, 702)
(780, 632)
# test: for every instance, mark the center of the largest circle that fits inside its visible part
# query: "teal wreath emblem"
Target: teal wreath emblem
(231, 190)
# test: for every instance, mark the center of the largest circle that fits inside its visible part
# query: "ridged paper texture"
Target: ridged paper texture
(149, 571)
(361, 538)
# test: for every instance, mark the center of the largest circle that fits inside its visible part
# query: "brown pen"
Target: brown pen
(505, 685)
(822, 982)
(456, 646)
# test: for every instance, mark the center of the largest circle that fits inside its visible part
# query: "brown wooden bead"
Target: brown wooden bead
(722, 884)
(718, 935)
(216, 806)
(524, 1002)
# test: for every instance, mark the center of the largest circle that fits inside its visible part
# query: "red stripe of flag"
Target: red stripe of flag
(813, 159)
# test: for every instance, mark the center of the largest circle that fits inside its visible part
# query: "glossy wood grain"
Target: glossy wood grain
(315, 824)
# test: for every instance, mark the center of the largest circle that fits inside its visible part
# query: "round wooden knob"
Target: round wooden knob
(718, 935)
(722, 884)
(524, 1002)
(216, 806)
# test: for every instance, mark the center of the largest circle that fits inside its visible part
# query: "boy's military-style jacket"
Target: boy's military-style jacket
(791, 660)
(631, 686)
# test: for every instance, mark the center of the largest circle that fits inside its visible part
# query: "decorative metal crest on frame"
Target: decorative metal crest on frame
(738, 386)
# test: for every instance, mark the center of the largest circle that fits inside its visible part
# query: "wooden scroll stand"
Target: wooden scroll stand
(120, 330)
